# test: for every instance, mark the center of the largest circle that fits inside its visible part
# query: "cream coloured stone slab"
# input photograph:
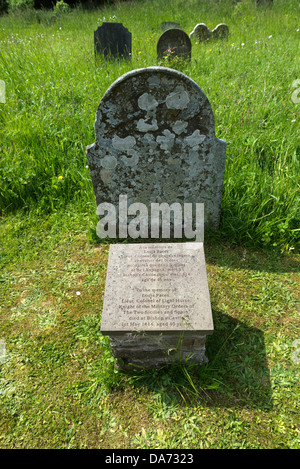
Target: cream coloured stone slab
(157, 288)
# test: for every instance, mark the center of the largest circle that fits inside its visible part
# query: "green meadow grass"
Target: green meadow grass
(53, 88)
(58, 384)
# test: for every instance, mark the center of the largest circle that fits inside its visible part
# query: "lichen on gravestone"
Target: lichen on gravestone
(155, 142)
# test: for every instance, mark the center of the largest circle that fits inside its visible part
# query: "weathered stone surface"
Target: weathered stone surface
(156, 287)
(155, 142)
(174, 42)
(156, 305)
(169, 25)
(202, 33)
(113, 40)
(221, 31)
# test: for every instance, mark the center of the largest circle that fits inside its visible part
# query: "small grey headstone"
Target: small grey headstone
(202, 33)
(174, 42)
(169, 25)
(221, 31)
(113, 40)
(156, 306)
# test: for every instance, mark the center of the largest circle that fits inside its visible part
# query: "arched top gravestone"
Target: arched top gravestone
(174, 42)
(155, 142)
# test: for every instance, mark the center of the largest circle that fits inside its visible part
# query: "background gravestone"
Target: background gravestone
(155, 142)
(169, 25)
(175, 42)
(202, 33)
(221, 31)
(113, 40)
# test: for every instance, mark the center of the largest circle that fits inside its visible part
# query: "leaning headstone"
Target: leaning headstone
(113, 40)
(155, 142)
(169, 25)
(174, 43)
(156, 146)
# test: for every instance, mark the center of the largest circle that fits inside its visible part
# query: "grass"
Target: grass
(58, 384)
(59, 388)
(51, 104)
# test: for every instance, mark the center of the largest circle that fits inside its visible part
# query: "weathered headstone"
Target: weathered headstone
(155, 142)
(174, 43)
(156, 145)
(202, 33)
(156, 305)
(169, 25)
(221, 31)
(113, 40)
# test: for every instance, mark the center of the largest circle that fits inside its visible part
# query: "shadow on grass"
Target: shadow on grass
(235, 376)
(223, 254)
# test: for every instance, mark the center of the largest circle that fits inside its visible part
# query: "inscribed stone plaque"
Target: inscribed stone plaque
(156, 288)
(112, 40)
(175, 42)
(155, 142)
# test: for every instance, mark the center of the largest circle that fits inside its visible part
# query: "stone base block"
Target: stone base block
(140, 350)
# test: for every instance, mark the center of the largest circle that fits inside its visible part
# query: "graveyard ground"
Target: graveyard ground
(58, 384)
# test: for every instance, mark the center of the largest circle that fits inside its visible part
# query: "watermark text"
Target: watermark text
(296, 94)
(159, 220)
(2, 91)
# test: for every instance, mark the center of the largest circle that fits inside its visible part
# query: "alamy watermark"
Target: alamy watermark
(2, 91)
(2, 351)
(295, 98)
(296, 353)
(162, 220)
